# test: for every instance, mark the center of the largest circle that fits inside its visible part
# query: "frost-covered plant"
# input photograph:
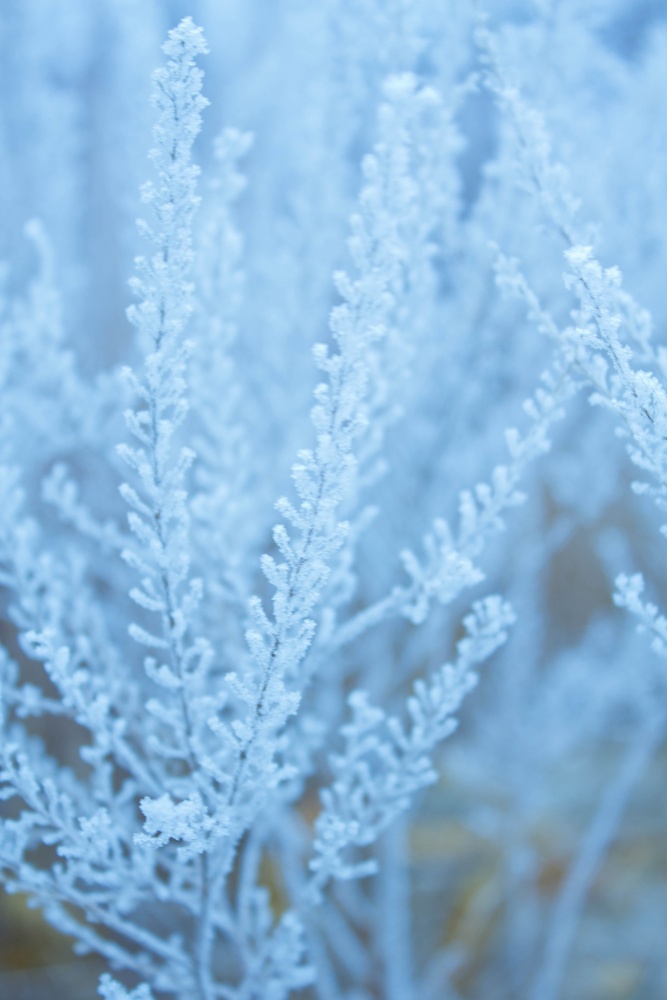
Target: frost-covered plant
(231, 763)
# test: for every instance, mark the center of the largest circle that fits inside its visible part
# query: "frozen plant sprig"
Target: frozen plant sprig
(637, 397)
(162, 283)
(274, 954)
(548, 179)
(448, 566)
(159, 516)
(324, 476)
(593, 343)
(100, 875)
(628, 595)
(384, 764)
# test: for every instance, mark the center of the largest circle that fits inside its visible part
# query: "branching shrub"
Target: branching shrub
(228, 720)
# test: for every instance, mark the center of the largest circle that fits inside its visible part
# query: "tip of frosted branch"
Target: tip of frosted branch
(186, 39)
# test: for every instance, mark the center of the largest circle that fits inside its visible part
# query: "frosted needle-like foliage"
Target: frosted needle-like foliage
(259, 750)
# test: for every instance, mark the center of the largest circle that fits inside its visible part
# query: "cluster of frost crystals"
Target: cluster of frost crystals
(111, 989)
